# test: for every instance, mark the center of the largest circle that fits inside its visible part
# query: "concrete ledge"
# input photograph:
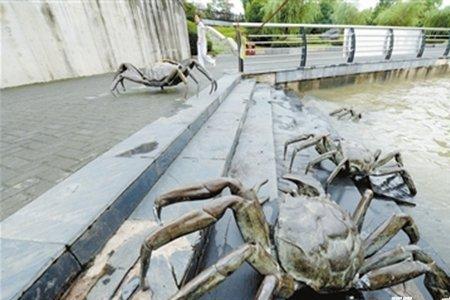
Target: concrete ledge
(346, 69)
(309, 73)
(207, 156)
(81, 213)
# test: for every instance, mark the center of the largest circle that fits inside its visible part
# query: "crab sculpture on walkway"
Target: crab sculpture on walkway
(344, 111)
(318, 244)
(353, 158)
(163, 74)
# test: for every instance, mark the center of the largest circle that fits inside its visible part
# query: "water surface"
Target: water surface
(413, 117)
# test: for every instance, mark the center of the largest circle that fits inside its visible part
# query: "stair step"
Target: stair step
(206, 156)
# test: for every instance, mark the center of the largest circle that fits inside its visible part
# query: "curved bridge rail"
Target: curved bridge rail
(275, 46)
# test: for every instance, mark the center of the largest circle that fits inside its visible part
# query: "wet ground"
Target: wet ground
(50, 130)
(413, 117)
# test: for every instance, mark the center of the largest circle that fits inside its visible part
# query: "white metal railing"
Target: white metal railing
(284, 46)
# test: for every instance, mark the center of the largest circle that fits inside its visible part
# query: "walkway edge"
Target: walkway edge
(81, 213)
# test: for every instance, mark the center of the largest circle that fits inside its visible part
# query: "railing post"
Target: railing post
(447, 50)
(389, 43)
(239, 43)
(422, 43)
(351, 54)
(304, 48)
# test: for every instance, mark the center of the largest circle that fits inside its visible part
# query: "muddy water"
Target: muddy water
(413, 117)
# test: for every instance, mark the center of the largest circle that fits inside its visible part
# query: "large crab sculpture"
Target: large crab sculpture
(318, 244)
(342, 112)
(162, 74)
(353, 158)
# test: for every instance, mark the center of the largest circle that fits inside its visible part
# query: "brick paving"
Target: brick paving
(50, 130)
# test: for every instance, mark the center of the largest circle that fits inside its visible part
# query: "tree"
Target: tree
(347, 13)
(437, 18)
(326, 11)
(190, 10)
(296, 11)
(254, 11)
(401, 14)
(219, 9)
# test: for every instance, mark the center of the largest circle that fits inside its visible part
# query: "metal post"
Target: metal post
(304, 47)
(351, 54)
(239, 43)
(389, 43)
(422, 44)
(447, 50)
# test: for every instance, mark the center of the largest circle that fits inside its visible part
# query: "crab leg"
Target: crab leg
(254, 254)
(386, 231)
(248, 214)
(205, 190)
(403, 173)
(388, 157)
(392, 275)
(267, 288)
(204, 72)
(339, 168)
(295, 140)
(305, 145)
(339, 110)
(319, 159)
(393, 256)
(195, 80)
(361, 209)
(436, 280)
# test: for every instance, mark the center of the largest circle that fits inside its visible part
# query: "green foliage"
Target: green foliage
(190, 10)
(326, 11)
(296, 11)
(254, 10)
(400, 14)
(438, 18)
(386, 12)
(347, 13)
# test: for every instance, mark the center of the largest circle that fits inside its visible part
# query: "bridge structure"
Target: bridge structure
(81, 238)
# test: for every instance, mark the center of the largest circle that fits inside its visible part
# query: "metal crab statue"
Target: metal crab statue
(162, 74)
(353, 158)
(340, 113)
(318, 244)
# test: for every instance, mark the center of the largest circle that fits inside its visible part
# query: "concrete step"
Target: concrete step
(206, 156)
(48, 242)
(253, 162)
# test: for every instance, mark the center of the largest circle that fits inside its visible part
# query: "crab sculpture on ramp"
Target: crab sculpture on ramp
(342, 112)
(162, 74)
(353, 158)
(318, 244)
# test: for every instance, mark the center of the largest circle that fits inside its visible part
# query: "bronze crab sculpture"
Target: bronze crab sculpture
(162, 74)
(353, 158)
(318, 244)
(342, 112)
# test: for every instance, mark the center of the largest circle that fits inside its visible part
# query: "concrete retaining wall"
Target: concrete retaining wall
(302, 79)
(48, 40)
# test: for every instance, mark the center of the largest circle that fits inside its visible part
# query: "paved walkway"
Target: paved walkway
(49, 131)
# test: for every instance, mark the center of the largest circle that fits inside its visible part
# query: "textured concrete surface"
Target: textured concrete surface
(253, 162)
(207, 156)
(82, 38)
(48, 131)
(82, 212)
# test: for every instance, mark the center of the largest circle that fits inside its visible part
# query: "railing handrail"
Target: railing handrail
(299, 25)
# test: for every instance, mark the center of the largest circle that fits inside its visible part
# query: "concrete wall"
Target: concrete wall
(48, 40)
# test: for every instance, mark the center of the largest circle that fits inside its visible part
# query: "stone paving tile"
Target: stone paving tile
(50, 130)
